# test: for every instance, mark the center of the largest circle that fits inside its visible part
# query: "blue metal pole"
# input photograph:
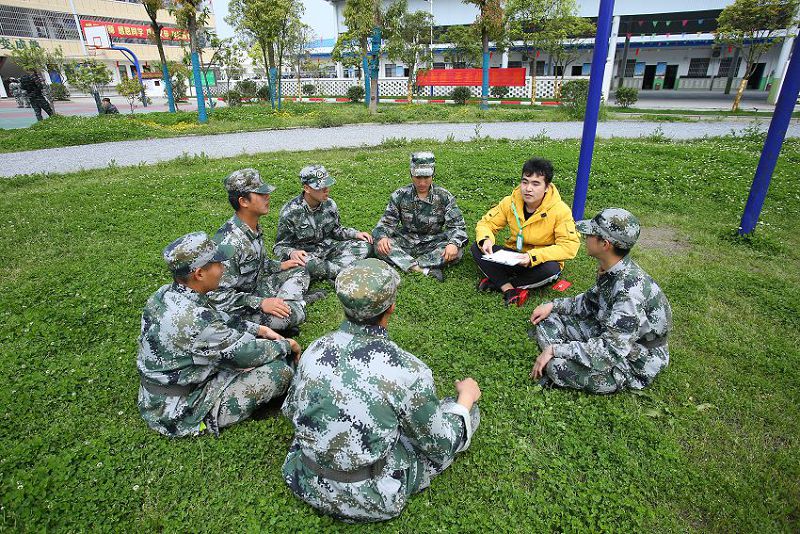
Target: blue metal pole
(168, 87)
(772, 146)
(202, 117)
(135, 60)
(599, 57)
(485, 82)
(272, 77)
(365, 71)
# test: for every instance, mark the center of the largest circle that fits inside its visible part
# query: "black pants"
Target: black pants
(517, 276)
(39, 104)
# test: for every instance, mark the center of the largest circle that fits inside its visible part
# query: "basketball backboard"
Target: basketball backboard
(97, 37)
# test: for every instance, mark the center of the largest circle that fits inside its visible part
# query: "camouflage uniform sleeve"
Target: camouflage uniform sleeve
(454, 224)
(218, 342)
(341, 233)
(583, 305)
(620, 332)
(434, 428)
(566, 243)
(271, 265)
(226, 298)
(285, 238)
(389, 221)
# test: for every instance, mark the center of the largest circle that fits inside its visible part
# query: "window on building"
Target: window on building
(698, 67)
(725, 67)
(40, 27)
(439, 65)
(576, 70)
(540, 68)
(558, 70)
(389, 70)
(514, 64)
(630, 68)
(459, 65)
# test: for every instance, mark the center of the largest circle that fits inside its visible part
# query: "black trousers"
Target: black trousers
(39, 104)
(517, 276)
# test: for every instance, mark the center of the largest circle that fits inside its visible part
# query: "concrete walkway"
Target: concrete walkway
(127, 153)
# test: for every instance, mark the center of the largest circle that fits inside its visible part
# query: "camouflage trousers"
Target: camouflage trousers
(289, 285)
(407, 252)
(39, 104)
(21, 103)
(249, 390)
(328, 260)
(572, 373)
(408, 471)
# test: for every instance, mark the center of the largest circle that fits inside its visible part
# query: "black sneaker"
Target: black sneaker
(437, 274)
(484, 284)
(314, 296)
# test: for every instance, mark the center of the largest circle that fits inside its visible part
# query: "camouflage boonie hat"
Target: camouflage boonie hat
(247, 181)
(422, 164)
(191, 252)
(367, 288)
(316, 177)
(618, 226)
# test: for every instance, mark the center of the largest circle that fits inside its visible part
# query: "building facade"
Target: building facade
(58, 23)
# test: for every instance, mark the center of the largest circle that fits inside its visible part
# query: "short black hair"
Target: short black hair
(619, 251)
(370, 321)
(107, 100)
(538, 166)
(233, 198)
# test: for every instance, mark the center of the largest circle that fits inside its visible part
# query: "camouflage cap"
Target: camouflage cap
(247, 181)
(618, 226)
(191, 252)
(316, 177)
(423, 164)
(367, 288)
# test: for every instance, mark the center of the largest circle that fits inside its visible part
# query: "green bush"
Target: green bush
(263, 92)
(355, 93)
(626, 96)
(309, 89)
(328, 120)
(247, 88)
(232, 98)
(574, 95)
(460, 95)
(59, 91)
(499, 91)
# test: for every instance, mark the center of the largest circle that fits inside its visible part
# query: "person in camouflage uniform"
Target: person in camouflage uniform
(369, 428)
(309, 229)
(613, 336)
(422, 228)
(197, 372)
(255, 288)
(18, 93)
(35, 89)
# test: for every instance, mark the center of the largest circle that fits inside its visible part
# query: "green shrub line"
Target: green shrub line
(713, 445)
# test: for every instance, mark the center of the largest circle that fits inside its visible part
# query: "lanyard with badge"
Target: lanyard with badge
(519, 226)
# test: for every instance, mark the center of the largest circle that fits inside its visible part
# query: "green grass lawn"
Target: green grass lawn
(713, 445)
(74, 130)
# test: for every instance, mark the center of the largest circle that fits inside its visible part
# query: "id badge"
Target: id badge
(519, 242)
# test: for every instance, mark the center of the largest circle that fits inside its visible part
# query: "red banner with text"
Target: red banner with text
(136, 31)
(472, 77)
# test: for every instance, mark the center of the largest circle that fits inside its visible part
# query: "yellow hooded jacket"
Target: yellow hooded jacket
(548, 235)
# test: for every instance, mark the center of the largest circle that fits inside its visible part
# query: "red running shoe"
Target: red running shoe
(516, 296)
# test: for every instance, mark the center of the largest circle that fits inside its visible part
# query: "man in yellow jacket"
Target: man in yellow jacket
(542, 236)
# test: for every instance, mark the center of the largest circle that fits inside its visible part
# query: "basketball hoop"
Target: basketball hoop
(96, 38)
(91, 50)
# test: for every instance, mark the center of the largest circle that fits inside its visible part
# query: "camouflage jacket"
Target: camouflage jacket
(185, 342)
(631, 310)
(301, 228)
(248, 262)
(434, 219)
(355, 392)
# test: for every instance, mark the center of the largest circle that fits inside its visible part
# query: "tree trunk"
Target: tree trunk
(164, 69)
(96, 96)
(739, 93)
(299, 93)
(533, 79)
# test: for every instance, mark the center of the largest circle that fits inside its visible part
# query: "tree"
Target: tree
(465, 50)
(131, 89)
(490, 25)
(754, 26)
(295, 51)
(526, 21)
(152, 8)
(560, 37)
(190, 15)
(34, 58)
(407, 35)
(179, 76)
(88, 75)
(223, 52)
(266, 23)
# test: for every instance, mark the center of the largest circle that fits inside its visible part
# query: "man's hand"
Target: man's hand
(291, 264)
(364, 236)
(268, 333)
(526, 261)
(487, 245)
(541, 312)
(275, 306)
(299, 255)
(297, 350)
(541, 362)
(384, 246)
(450, 253)
(468, 392)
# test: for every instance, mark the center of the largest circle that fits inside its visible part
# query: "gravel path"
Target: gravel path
(127, 153)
